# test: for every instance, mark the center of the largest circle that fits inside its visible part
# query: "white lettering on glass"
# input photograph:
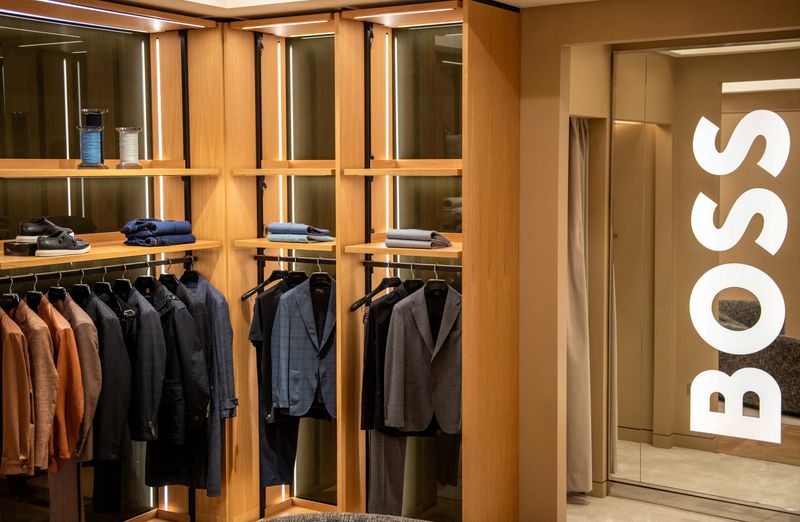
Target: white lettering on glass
(733, 422)
(752, 202)
(767, 426)
(755, 124)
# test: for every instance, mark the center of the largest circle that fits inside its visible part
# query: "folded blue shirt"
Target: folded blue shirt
(299, 238)
(175, 239)
(296, 228)
(146, 227)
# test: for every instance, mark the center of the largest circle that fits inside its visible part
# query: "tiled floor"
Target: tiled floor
(615, 509)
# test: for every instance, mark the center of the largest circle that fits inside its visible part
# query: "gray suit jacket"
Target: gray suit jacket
(302, 362)
(423, 377)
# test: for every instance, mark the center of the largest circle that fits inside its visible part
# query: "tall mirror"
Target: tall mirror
(699, 258)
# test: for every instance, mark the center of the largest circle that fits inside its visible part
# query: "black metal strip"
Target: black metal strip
(293, 259)
(414, 266)
(26, 278)
(368, 34)
(183, 34)
(500, 5)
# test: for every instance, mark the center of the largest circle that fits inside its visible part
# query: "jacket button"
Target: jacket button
(24, 467)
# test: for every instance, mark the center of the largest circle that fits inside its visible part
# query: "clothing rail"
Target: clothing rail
(25, 278)
(292, 259)
(414, 266)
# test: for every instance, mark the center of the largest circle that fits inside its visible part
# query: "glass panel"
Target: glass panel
(428, 123)
(664, 243)
(50, 71)
(311, 200)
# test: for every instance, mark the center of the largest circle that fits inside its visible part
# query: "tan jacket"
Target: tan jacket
(17, 393)
(91, 374)
(69, 398)
(43, 377)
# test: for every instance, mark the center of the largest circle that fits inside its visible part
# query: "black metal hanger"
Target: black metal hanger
(320, 279)
(122, 286)
(190, 275)
(274, 276)
(34, 297)
(103, 287)
(58, 292)
(81, 292)
(436, 287)
(146, 285)
(387, 282)
(169, 279)
(413, 284)
(10, 300)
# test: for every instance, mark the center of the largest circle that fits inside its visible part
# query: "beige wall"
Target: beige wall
(545, 107)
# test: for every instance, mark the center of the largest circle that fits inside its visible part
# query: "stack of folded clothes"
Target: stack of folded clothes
(297, 233)
(452, 212)
(155, 232)
(414, 238)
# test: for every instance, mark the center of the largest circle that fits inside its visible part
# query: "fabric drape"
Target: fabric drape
(579, 421)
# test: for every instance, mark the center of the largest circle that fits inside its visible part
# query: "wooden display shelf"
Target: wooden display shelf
(451, 252)
(427, 167)
(102, 250)
(291, 168)
(44, 173)
(328, 246)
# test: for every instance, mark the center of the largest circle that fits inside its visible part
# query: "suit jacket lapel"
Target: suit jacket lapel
(419, 310)
(452, 307)
(330, 318)
(303, 300)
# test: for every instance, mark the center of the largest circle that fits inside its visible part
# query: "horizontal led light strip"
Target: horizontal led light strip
(286, 24)
(38, 32)
(404, 13)
(53, 19)
(120, 13)
(787, 84)
(52, 43)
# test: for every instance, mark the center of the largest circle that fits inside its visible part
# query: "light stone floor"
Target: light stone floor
(758, 481)
(615, 509)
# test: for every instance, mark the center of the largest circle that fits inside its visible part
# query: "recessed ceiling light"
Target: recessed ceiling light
(786, 84)
(735, 49)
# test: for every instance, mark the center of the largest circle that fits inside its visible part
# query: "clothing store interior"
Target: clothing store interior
(384, 261)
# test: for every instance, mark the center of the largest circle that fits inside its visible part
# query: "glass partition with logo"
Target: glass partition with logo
(706, 241)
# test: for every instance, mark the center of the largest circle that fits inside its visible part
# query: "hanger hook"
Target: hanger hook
(11, 285)
(35, 281)
(105, 271)
(124, 270)
(83, 274)
(169, 265)
(413, 274)
(319, 266)
(60, 275)
(435, 272)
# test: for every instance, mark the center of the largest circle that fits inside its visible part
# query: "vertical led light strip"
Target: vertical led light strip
(279, 76)
(396, 136)
(80, 103)
(291, 121)
(160, 129)
(66, 136)
(388, 107)
(144, 128)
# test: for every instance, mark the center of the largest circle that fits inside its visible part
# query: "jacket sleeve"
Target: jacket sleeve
(18, 416)
(194, 370)
(147, 378)
(69, 400)
(92, 377)
(223, 343)
(395, 374)
(280, 356)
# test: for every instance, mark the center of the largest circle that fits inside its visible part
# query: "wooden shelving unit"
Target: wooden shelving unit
(451, 252)
(427, 168)
(329, 246)
(101, 251)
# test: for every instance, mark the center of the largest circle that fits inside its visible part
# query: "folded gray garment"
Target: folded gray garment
(452, 202)
(436, 239)
(299, 238)
(414, 243)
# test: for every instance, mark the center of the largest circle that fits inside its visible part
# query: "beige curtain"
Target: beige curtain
(579, 420)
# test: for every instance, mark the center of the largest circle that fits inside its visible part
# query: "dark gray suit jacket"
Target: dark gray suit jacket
(303, 362)
(423, 377)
